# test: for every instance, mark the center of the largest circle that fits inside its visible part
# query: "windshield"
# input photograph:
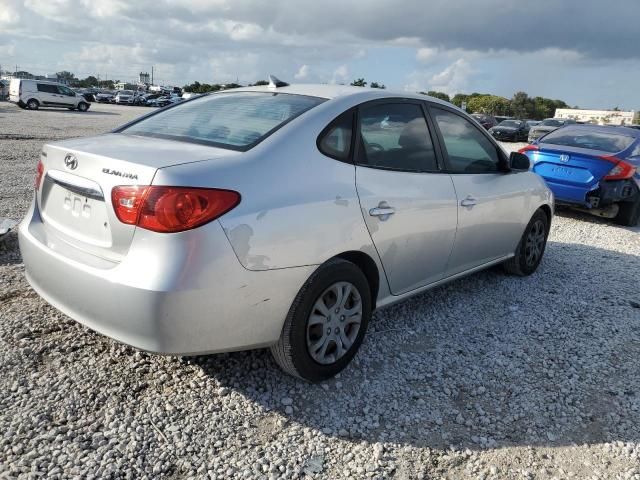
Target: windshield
(229, 120)
(126, 92)
(577, 137)
(510, 123)
(549, 122)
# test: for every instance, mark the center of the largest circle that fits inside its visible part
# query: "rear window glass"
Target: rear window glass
(576, 137)
(228, 120)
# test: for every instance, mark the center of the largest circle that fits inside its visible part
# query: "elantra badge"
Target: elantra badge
(564, 158)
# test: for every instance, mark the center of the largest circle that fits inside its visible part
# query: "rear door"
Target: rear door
(491, 203)
(408, 202)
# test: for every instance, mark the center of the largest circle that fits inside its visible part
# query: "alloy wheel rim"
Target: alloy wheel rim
(534, 243)
(334, 323)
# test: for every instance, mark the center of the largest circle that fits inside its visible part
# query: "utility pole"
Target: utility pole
(151, 74)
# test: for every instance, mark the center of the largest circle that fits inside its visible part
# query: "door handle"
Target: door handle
(383, 210)
(470, 201)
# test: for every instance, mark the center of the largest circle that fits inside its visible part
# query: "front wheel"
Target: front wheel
(83, 107)
(326, 323)
(531, 247)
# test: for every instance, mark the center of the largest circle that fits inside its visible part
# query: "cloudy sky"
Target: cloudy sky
(582, 51)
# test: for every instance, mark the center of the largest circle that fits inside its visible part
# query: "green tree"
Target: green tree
(522, 106)
(440, 95)
(261, 82)
(359, 83)
(458, 98)
(489, 104)
(377, 85)
(65, 76)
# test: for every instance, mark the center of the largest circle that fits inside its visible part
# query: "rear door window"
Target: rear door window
(47, 88)
(396, 136)
(237, 121)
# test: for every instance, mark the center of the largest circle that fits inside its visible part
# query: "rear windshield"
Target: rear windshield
(577, 137)
(236, 121)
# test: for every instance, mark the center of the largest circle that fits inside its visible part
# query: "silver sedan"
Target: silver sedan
(277, 216)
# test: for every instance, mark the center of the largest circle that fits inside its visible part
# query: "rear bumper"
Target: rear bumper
(181, 293)
(607, 193)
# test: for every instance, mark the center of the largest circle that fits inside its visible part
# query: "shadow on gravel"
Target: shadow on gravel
(484, 362)
(585, 217)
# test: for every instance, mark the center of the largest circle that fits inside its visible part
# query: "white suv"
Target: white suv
(33, 94)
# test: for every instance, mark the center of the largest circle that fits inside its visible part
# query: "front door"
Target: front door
(491, 202)
(409, 205)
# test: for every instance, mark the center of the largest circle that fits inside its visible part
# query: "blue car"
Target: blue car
(592, 168)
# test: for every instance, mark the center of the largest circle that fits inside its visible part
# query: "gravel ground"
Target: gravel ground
(490, 377)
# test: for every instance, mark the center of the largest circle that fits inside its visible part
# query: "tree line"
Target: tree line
(521, 105)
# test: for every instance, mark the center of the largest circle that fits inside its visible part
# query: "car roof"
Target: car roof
(631, 132)
(335, 91)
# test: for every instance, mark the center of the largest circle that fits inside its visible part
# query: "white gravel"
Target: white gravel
(490, 377)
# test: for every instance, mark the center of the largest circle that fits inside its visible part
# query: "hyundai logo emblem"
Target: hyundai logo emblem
(564, 158)
(70, 162)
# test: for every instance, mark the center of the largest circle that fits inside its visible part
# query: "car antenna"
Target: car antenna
(275, 82)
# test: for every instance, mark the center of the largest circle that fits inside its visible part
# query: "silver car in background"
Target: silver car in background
(277, 216)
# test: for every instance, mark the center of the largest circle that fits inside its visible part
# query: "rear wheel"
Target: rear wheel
(326, 323)
(33, 104)
(531, 247)
(629, 213)
(83, 107)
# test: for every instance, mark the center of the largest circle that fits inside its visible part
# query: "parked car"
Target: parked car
(165, 100)
(252, 218)
(33, 94)
(125, 97)
(105, 97)
(501, 119)
(546, 126)
(144, 99)
(4, 89)
(595, 169)
(532, 123)
(487, 121)
(510, 131)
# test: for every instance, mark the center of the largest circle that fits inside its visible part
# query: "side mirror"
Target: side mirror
(519, 162)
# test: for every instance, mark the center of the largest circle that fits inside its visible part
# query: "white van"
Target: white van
(33, 94)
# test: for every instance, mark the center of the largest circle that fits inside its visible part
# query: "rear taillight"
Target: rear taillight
(621, 171)
(529, 148)
(171, 209)
(39, 173)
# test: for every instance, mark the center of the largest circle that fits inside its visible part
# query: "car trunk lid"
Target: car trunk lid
(573, 171)
(74, 197)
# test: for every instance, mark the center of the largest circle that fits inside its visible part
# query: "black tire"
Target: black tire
(33, 104)
(83, 107)
(629, 213)
(291, 352)
(525, 262)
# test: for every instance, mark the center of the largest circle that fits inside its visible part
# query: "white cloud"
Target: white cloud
(340, 74)
(454, 78)
(425, 54)
(303, 73)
